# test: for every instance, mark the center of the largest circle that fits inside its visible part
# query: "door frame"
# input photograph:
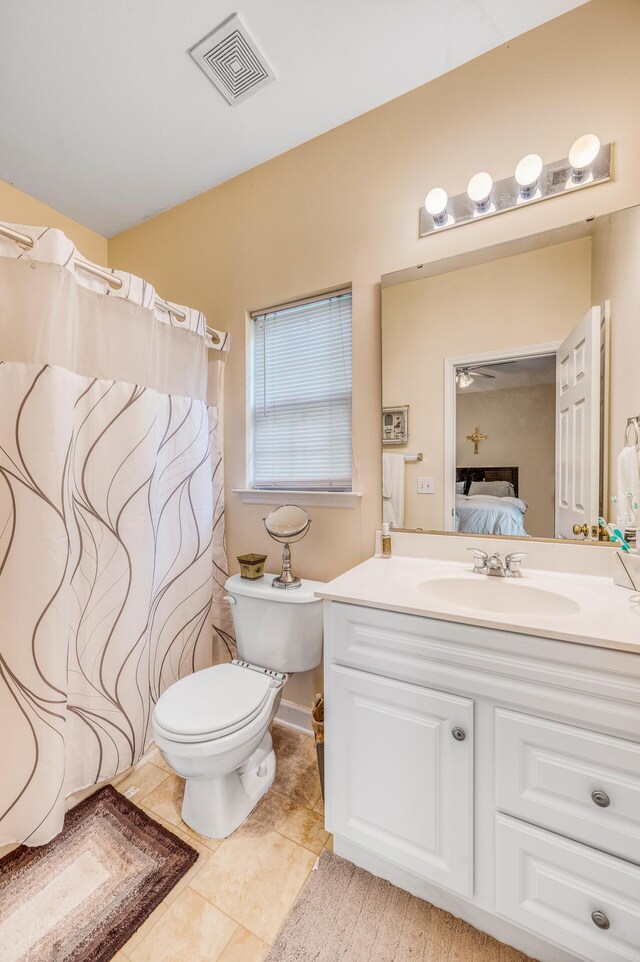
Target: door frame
(450, 365)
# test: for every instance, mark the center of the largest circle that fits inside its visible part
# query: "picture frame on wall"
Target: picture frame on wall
(395, 425)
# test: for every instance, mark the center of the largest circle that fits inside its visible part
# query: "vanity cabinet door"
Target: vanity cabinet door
(400, 774)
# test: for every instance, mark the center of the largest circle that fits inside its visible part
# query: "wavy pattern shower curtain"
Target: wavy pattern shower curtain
(111, 523)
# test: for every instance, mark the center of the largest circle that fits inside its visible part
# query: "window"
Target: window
(301, 404)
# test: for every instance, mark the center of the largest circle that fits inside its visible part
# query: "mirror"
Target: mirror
(510, 377)
(287, 524)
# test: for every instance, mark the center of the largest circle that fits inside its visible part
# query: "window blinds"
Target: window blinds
(302, 395)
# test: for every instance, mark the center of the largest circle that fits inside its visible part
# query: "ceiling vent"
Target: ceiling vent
(232, 61)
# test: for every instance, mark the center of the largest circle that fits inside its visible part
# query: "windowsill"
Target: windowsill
(307, 499)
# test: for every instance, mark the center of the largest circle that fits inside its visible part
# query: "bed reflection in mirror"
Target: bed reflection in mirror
(512, 406)
(518, 367)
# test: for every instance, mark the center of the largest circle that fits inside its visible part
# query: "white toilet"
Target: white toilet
(212, 727)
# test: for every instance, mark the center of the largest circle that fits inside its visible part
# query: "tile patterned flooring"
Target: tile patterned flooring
(232, 902)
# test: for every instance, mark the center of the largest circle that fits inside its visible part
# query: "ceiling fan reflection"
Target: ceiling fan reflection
(465, 375)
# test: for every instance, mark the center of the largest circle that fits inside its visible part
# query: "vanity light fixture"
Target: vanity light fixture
(588, 163)
(528, 174)
(436, 204)
(479, 190)
(582, 155)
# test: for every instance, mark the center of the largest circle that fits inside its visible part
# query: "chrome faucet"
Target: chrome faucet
(496, 565)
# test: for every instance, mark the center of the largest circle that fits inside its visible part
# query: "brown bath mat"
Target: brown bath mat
(82, 896)
(344, 914)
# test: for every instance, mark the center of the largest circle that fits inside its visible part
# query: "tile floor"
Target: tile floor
(232, 902)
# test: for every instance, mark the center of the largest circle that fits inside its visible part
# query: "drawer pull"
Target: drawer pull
(601, 799)
(600, 919)
(459, 734)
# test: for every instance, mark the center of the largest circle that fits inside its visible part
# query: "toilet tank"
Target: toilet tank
(278, 628)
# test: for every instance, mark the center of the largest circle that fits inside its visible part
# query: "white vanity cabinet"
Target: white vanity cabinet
(494, 774)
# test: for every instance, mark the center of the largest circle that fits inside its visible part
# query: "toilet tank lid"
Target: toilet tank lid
(263, 588)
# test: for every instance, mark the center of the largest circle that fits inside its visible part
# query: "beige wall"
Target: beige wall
(520, 428)
(530, 298)
(16, 207)
(344, 208)
(616, 278)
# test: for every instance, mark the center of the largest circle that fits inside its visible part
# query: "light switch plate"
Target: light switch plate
(425, 485)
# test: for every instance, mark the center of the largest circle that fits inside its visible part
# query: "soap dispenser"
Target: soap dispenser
(386, 540)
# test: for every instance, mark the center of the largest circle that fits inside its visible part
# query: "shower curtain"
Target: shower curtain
(112, 555)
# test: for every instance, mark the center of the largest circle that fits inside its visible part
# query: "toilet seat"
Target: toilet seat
(212, 703)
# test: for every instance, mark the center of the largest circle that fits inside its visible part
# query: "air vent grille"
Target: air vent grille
(232, 61)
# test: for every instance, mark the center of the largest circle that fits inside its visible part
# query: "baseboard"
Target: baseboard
(294, 716)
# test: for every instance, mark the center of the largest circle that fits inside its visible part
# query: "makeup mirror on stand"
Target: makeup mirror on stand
(287, 524)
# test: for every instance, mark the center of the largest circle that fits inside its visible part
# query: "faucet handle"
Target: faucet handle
(514, 560)
(480, 559)
(478, 554)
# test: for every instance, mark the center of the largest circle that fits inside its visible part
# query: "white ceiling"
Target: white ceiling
(104, 116)
(523, 373)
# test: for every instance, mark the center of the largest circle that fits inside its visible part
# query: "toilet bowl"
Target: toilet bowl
(222, 745)
(212, 727)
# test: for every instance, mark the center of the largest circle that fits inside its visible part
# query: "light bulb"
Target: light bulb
(464, 379)
(479, 190)
(527, 174)
(436, 204)
(583, 153)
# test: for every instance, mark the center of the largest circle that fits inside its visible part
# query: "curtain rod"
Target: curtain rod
(103, 274)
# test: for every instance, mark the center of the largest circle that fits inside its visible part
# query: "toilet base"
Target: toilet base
(216, 807)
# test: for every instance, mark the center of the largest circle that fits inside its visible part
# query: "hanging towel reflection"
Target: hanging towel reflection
(393, 489)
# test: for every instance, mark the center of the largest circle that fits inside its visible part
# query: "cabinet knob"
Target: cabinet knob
(600, 919)
(459, 734)
(601, 799)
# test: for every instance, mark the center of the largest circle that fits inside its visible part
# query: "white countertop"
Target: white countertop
(594, 610)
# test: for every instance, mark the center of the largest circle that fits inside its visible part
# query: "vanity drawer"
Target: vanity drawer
(575, 782)
(561, 889)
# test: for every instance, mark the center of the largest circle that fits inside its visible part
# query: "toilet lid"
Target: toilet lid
(217, 699)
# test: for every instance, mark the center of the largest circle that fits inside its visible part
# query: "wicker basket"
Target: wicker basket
(317, 721)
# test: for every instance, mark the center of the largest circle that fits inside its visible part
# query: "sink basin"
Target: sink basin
(503, 595)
